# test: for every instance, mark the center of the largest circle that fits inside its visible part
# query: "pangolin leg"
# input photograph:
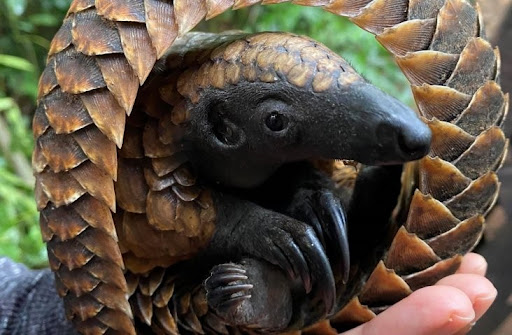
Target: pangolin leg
(246, 230)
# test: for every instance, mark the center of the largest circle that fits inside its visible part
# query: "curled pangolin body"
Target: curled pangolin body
(106, 49)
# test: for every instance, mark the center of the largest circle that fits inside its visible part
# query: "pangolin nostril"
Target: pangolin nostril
(416, 144)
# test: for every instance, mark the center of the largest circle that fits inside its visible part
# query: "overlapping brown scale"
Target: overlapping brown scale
(166, 165)
(39, 161)
(191, 321)
(62, 152)
(155, 280)
(381, 14)
(64, 222)
(384, 287)
(153, 147)
(131, 188)
(484, 155)
(244, 3)
(452, 35)
(122, 10)
(156, 183)
(164, 319)
(138, 48)
(427, 67)
(80, 5)
(408, 254)
(132, 282)
(132, 144)
(93, 35)
(460, 239)
(40, 121)
(309, 3)
(96, 214)
(97, 183)
(408, 36)
(161, 24)
(353, 312)
(46, 232)
(62, 290)
(161, 211)
(347, 8)
(187, 193)
(478, 198)
(440, 102)
(71, 254)
(83, 308)
(184, 176)
(112, 297)
(41, 198)
(485, 109)
(106, 113)
(420, 9)
(77, 73)
(106, 273)
(66, 112)
(93, 326)
(428, 217)
(433, 274)
(53, 261)
(117, 320)
(99, 149)
(448, 141)
(441, 179)
(477, 65)
(78, 281)
(101, 245)
(163, 294)
(159, 247)
(189, 214)
(144, 307)
(61, 188)
(62, 38)
(188, 14)
(216, 7)
(120, 79)
(48, 80)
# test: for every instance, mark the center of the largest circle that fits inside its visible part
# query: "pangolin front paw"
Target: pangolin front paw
(227, 287)
(252, 294)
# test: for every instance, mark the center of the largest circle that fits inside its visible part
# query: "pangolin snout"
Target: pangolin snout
(411, 141)
(415, 143)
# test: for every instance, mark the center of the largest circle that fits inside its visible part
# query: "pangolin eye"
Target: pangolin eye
(276, 121)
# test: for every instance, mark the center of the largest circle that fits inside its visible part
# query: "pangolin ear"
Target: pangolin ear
(226, 131)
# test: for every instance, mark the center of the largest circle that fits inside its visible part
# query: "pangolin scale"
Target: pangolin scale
(86, 142)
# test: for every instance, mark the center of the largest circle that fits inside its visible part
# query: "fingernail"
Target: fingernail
(464, 318)
(487, 298)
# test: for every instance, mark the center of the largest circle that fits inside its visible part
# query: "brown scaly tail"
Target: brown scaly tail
(106, 49)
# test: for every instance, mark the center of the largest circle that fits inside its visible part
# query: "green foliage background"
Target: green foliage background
(26, 28)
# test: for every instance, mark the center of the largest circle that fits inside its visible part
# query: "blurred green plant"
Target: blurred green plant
(26, 29)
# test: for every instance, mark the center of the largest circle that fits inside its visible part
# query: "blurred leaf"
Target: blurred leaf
(16, 63)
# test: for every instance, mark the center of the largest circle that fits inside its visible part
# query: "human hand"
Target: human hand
(450, 307)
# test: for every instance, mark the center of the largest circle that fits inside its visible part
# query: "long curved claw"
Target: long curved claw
(332, 217)
(324, 212)
(324, 286)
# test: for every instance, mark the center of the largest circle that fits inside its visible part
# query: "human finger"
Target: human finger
(434, 310)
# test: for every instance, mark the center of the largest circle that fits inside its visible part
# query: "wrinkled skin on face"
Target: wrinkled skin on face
(241, 135)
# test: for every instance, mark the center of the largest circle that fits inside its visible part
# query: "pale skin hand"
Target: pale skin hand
(448, 308)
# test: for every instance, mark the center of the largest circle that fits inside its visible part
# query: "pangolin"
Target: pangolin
(151, 226)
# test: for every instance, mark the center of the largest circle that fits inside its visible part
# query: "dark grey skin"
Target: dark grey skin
(244, 135)
(289, 248)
